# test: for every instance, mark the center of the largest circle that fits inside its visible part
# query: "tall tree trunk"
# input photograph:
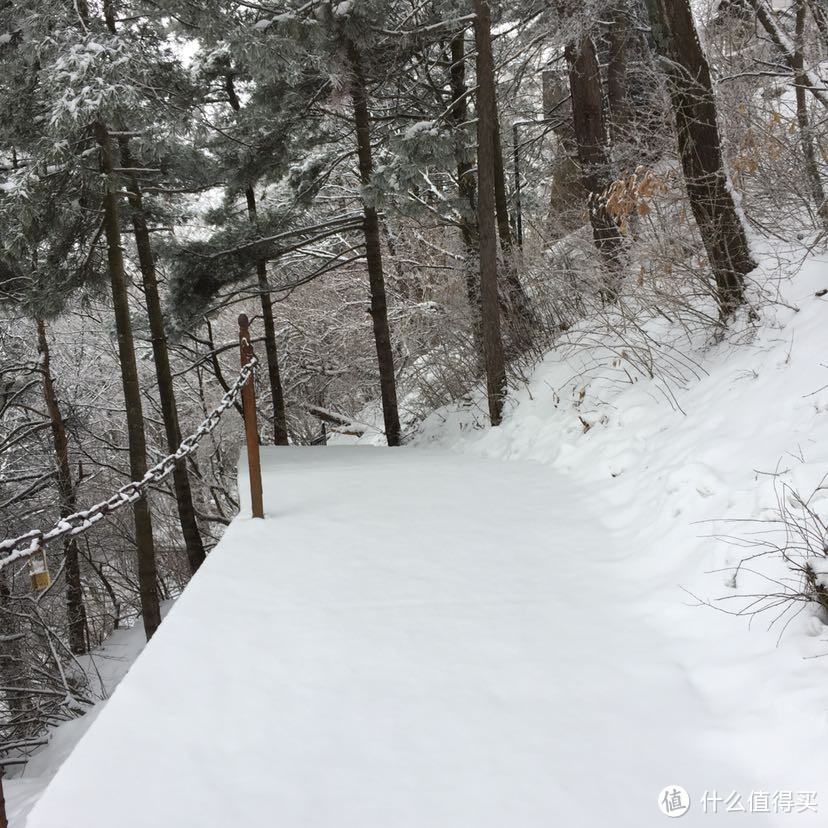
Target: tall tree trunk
(566, 189)
(163, 372)
(274, 375)
(373, 251)
(593, 155)
(806, 138)
(75, 609)
(519, 313)
(147, 574)
(466, 186)
(618, 36)
(699, 142)
(277, 395)
(410, 285)
(489, 306)
(504, 228)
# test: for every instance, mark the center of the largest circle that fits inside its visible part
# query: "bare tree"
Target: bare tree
(787, 48)
(76, 611)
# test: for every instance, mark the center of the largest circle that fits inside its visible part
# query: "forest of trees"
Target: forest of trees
(411, 199)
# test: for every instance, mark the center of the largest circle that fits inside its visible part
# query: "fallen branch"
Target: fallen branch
(341, 424)
(785, 45)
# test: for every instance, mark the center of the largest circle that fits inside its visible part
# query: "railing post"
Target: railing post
(251, 430)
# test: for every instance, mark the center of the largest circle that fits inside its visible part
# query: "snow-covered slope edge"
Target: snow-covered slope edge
(106, 666)
(672, 482)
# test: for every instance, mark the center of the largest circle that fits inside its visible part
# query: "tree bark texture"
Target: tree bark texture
(617, 86)
(699, 144)
(147, 575)
(593, 155)
(75, 609)
(166, 391)
(806, 138)
(486, 117)
(466, 184)
(373, 250)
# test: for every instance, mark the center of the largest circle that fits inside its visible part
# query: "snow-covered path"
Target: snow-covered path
(412, 638)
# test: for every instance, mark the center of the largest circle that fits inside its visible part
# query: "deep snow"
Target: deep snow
(454, 635)
(499, 662)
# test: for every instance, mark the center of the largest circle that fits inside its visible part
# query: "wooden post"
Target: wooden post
(251, 430)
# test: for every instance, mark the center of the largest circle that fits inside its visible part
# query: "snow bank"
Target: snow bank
(673, 479)
(105, 668)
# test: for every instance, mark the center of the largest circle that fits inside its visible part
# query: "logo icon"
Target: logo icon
(674, 801)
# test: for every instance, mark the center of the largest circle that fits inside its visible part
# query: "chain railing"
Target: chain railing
(32, 542)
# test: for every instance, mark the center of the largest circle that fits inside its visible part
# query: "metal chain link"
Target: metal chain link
(30, 543)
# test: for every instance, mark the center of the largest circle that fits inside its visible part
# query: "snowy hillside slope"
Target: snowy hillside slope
(691, 486)
(105, 667)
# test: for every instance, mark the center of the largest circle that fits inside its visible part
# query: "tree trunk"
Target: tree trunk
(277, 396)
(489, 306)
(163, 372)
(519, 314)
(708, 188)
(806, 138)
(76, 611)
(517, 309)
(373, 251)
(504, 228)
(147, 575)
(617, 96)
(459, 115)
(593, 155)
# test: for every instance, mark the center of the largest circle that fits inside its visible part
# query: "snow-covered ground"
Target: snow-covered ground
(105, 668)
(686, 489)
(497, 663)
(501, 627)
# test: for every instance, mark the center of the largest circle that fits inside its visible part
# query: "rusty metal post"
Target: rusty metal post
(251, 430)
